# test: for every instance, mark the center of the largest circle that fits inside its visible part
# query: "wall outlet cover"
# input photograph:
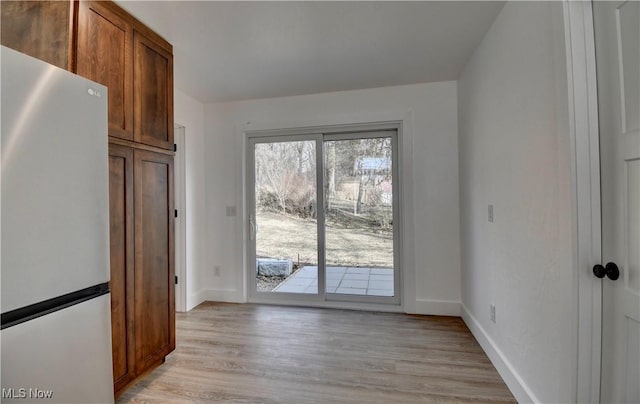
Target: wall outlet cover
(231, 211)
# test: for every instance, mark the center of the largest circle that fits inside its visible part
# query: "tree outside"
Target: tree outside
(358, 203)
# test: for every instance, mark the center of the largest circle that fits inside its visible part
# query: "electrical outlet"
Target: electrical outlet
(490, 213)
(492, 312)
(216, 270)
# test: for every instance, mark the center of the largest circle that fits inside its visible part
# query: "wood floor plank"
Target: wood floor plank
(271, 354)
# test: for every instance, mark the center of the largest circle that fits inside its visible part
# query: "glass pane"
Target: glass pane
(359, 217)
(286, 227)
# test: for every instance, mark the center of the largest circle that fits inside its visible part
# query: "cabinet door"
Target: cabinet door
(38, 28)
(122, 259)
(104, 55)
(154, 256)
(153, 93)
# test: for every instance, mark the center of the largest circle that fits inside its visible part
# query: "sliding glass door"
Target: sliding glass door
(359, 206)
(283, 222)
(323, 216)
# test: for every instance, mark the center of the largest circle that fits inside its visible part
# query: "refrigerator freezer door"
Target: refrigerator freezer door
(55, 213)
(66, 354)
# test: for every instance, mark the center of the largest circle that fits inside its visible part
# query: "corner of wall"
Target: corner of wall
(221, 295)
(516, 384)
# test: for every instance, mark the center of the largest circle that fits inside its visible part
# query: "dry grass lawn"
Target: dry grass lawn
(349, 242)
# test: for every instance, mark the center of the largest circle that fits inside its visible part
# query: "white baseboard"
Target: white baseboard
(422, 306)
(436, 307)
(220, 295)
(516, 384)
(195, 299)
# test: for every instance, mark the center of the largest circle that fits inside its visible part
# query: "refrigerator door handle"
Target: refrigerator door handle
(23, 314)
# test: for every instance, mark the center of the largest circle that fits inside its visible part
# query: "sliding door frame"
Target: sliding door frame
(319, 134)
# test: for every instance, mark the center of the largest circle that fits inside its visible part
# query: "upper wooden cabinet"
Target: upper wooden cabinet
(153, 92)
(42, 29)
(102, 42)
(104, 55)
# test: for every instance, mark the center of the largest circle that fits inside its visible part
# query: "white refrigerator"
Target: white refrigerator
(55, 342)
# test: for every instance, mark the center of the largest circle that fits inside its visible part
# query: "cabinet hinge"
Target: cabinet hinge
(176, 279)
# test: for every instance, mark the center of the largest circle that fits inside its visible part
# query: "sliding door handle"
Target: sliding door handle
(252, 228)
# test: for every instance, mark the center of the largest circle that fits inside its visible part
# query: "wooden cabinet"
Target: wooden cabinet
(135, 64)
(153, 92)
(42, 29)
(104, 55)
(122, 264)
(142, 260)
(102, 42)
(154, 258)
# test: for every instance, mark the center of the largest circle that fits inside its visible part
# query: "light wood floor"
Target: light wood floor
(272, 354)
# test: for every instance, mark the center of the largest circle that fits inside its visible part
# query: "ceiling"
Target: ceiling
(227, 51)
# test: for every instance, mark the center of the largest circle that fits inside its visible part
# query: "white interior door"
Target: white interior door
(617, 29)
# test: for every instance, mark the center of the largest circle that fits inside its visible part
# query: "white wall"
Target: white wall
(515, 154)
(189, 113)
(430, 167)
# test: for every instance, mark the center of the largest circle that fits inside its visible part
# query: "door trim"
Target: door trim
(180, 176)
(585, 178)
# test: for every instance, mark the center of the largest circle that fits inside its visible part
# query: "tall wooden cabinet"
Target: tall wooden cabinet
(102, 42)
(121, 216)
(142, 260)
(154, 299)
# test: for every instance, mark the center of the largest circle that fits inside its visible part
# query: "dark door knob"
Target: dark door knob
(599, 271)
(613, 272)
(610, 270)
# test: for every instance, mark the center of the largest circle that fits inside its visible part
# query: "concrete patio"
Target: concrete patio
(346, 280)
